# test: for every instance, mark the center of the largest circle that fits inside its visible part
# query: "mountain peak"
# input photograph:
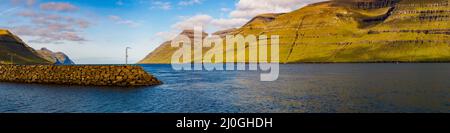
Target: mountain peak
(54, 57)
(4, 32)
(367, 4)
(14, 50)
(190, 31)
(224, 33)
(45, 49)
(262, 19)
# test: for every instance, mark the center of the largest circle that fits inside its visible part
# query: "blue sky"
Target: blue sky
(97, 31)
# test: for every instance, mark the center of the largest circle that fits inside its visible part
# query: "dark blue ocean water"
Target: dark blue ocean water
(300, 88)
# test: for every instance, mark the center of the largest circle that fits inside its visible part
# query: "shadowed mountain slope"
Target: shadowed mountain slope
(21, 53)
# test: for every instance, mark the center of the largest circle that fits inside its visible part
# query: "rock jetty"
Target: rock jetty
(88, 75)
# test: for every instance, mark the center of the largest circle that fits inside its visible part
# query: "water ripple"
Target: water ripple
(300, 88)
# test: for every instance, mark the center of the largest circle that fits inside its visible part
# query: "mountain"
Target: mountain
(163, 54)
(224, 33)
(54, 57)
(14, 50)
(356, 31)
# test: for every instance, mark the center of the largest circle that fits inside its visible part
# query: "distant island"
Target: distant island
(55, 57)
(350, 31)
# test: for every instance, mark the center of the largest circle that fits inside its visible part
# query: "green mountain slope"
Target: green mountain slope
(163, 54)
(13, 46)
(358, 31)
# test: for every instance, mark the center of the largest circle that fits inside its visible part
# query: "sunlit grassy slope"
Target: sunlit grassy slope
(391, 31)
(11, 45)
(163, 54)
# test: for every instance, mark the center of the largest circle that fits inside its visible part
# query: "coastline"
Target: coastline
(99, 75)
(370, 62)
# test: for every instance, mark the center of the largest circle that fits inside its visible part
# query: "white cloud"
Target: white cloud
(166, 35)
(243, 12)
(251, 8)
(225, 9)
(119, 20)
(189, 2)
(8, 11)
(161, 5)
(50, 28)
(24, 2)
(202, 20)
(185, 23)
(114, 17)
(207, 22)
(59, 6)
(247, 9)
(222, 24)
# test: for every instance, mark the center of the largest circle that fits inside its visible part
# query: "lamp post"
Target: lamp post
(12, 57)
(126, 55)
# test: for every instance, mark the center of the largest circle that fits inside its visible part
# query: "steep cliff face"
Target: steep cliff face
(406, 30)
(54, 57)
(367, 4)
(14, 50)
(360, 31)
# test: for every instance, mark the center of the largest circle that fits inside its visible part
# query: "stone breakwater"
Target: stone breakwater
(78, 75)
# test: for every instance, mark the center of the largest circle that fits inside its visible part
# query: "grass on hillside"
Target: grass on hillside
(327, 32)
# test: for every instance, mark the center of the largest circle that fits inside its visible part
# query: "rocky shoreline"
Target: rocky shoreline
(88, 75)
